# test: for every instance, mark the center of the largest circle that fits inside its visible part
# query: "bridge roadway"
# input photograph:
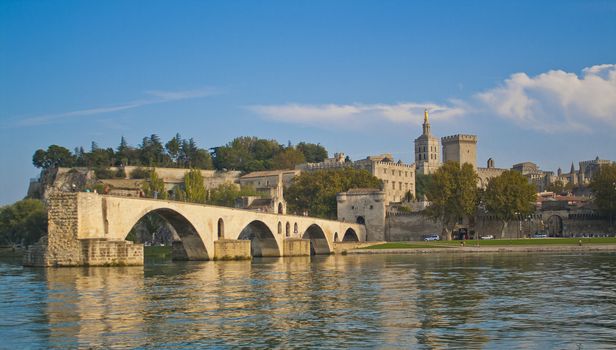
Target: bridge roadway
(90, 217)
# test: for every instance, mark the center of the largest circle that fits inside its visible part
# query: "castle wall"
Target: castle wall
(409, 227)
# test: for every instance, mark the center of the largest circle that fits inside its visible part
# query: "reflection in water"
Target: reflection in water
(424, 301)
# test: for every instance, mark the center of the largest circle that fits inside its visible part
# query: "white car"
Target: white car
(487, 237)
(432, 237)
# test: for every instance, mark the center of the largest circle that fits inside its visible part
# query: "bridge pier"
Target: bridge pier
(232, 249)
(296, 247)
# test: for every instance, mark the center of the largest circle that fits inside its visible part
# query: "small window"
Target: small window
(372, 206)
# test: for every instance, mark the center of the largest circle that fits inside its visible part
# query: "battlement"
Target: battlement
(459, 138)
(399, 165)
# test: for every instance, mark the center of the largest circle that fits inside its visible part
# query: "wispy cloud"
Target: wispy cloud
(351, 115)
(550, 102)
(152, 97)
(556, 101)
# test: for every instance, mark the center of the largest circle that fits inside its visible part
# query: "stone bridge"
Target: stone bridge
(90, 229)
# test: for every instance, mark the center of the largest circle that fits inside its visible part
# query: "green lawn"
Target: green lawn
(409, 245)
(494, 242)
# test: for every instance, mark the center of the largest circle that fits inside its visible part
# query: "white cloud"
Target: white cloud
(155, 97)
(556, 100)
(352, 115)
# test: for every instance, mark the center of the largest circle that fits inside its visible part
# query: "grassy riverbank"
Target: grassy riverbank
(494, 243)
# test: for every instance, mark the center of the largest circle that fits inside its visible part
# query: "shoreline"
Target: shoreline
(490, 249)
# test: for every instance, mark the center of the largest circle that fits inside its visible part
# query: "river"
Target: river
(493, 301)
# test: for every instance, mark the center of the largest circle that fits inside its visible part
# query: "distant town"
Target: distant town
(255, 174)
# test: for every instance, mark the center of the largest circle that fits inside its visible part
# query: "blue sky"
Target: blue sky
(535, 80)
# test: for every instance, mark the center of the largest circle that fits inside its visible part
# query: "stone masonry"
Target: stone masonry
(63, 246)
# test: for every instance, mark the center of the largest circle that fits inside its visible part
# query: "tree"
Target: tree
(201, 159)
(226, 194)
(453, 194)
(508, 196)
(557, 187)
(55, 156)
(312, 153)
(315, 191)
(246, 154)
(173, 148)
(23, 222)
(422, 182)
(194, 186)
(154, 186)
(288, 159)
(603, 186)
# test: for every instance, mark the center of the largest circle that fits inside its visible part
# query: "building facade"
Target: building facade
(398, 178)
(460, 148)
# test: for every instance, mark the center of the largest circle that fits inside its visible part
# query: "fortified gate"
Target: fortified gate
(90, 229)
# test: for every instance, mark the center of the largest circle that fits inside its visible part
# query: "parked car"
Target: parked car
(487, 237)
(539, 235)
(432, 237)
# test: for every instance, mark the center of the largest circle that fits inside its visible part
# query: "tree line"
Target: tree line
(454, 195)
(246, 154)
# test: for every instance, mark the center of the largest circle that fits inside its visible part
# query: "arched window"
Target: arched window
(336, 237)
(288, 230)
(280, 208)
(361, 220)
(221, 229)
(295, 228)
(279, 227)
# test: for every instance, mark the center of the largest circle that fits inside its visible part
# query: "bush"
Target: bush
(120, 174)
(102, 173)
(141, 173)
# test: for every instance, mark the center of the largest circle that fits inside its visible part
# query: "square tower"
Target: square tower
(460, 148)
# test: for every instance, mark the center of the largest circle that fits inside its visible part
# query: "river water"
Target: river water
(494, 301)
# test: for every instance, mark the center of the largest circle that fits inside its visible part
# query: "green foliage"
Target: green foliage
(23, 222)
(140, 173)
(243, 153)
(556, 187)
(288, 159)
(226, 194)
(316, 191)
(103, 173)
(603, 186)
(120, 174)
(194, 187)
(154, 186)
(453, 194)
(509, 195)
(246, 154)
(422, 183)
(55, 156)
(312, 153)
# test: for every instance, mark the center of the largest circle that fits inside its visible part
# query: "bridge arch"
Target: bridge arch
(191, 242)
(318, 241)
(350, 236)
(262, 239)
